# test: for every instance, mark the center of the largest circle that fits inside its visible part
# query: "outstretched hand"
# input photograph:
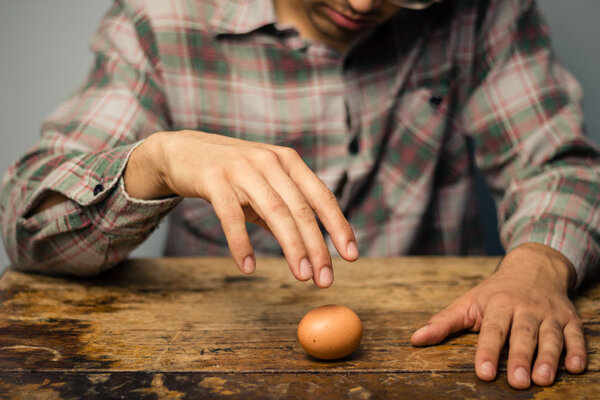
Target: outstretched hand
(247, 182)
(525, 302)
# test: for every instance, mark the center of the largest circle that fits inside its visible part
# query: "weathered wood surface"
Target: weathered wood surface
(282, 385)
(196, 326)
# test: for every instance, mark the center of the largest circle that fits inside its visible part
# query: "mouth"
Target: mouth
(348, 23)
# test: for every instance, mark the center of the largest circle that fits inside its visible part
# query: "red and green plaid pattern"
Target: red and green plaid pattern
(386, 126)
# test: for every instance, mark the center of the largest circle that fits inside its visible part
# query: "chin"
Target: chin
(329, 30)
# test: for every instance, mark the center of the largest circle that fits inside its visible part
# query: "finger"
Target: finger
(454, 318)
(492, 336)
(550, 345)
(576, 357)
(271, 208)
(252, 217)
(320, 265)
(322, 201)
(230, 213)
(523, 342)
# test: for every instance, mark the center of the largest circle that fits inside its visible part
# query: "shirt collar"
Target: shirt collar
(242, 16)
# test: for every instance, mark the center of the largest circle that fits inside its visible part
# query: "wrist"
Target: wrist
(544, 262)
(143, 177)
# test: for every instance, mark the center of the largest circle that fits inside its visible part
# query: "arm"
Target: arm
(525, 118)
(63, 206)
(244, 181)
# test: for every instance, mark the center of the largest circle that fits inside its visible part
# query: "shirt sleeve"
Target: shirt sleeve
(526, 120)
(82, 153)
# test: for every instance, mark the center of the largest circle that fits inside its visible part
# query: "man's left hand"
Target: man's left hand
(525, 300)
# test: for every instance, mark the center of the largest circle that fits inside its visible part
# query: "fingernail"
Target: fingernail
(352, 250)
(305, 269)
(487, 369)
(544, 371)
(326, 277)
(248, 265)
(521, 375)
(578, 362)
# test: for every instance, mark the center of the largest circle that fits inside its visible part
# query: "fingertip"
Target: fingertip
(325, 277)
(351, 251)
(416, 339)
(543, 375)
(306, 271)
(248, 265)
(575, 364)
(486, 371)
(520, 378)
(421, 337)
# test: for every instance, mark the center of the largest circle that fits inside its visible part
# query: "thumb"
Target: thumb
(456, 317)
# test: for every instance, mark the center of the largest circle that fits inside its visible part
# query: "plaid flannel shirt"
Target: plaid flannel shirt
(388, 126)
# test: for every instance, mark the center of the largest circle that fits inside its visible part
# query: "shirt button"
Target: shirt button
(97, 189)
(435, 100)
(354, 146)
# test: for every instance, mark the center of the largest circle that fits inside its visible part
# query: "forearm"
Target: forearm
(542, 170)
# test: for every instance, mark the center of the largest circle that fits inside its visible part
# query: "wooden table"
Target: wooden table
(197, 328)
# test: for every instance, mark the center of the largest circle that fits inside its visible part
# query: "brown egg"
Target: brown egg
(330, 332)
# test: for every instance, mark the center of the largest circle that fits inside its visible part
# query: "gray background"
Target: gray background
(44, 56)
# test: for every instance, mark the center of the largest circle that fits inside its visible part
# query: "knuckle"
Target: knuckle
(575, 329)
(555, 328)
(276, 205)
(554, 332)
(551, 345)
(578, 325)
(238, 242)
(228, 200)
(320, 254)
(328, 196)
(528, 331)
(288, 154)
(228, 213)
(272, 197)
(521, 357)
(265, 157)
(502, 298)
(278, 209)
(305, 214)
(495, 329)
(325, 201)
(292, 247)
(573, 316)
(551, 351)
(526, 317)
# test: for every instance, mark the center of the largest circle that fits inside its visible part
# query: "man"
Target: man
(360, 112)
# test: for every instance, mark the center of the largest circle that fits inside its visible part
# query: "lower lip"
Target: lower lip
(346, 22)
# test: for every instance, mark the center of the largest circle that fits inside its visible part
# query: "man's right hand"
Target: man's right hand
(247, 182)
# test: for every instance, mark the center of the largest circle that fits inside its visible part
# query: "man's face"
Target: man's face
(341, 21)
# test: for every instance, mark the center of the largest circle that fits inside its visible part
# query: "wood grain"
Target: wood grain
(173, 323)
(285, 385)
